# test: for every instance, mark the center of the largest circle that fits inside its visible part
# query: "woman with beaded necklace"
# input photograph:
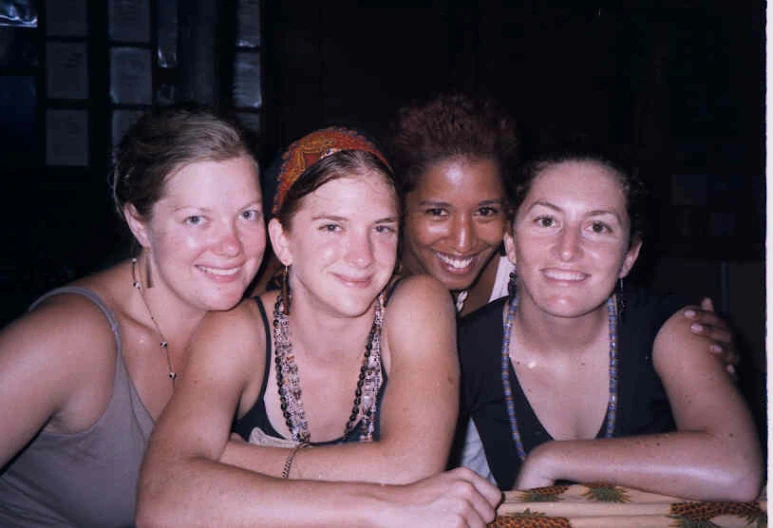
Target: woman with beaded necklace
(340, 376)
(568, 380)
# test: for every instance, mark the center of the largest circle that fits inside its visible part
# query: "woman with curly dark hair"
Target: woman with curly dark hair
(452, 156)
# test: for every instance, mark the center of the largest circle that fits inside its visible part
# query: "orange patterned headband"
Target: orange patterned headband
(314, 147)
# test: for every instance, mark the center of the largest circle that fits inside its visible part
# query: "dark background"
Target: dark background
(681, 82)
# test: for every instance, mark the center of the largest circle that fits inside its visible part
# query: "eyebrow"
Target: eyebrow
(256, 202)
(334, 218)
(595, 212)
(482, 202)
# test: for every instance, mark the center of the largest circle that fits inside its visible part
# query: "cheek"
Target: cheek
(491, 233)
(423, 233)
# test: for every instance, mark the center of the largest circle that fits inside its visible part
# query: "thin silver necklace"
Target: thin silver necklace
(164, 343)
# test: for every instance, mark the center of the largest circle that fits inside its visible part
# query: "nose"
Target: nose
(228, 242)
(461, 233)
(569, 244)
(359, 250)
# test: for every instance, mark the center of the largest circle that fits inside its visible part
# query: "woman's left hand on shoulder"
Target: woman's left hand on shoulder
(707, 323)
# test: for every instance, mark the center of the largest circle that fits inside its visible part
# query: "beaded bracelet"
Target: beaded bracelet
(290, 458)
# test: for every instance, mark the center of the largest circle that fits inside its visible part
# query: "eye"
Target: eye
(194, 220)
(388, 229)
(488, 211)
(436, 211)
(600, 227)
(545, 221)
(330, 228)
(251, 214)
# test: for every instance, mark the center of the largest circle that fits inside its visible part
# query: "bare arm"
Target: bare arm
(420, 403)
(56, 371)
(184, 483)
(714, 455)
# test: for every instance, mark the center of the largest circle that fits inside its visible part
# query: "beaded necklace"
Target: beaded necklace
(164, 344)
(611, 406)
(289, 385)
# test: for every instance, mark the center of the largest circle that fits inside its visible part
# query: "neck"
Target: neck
(174, 318)
(317, 332)
(548, 334)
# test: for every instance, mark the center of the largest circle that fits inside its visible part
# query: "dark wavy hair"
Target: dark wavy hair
(619, 163)
(449, 126)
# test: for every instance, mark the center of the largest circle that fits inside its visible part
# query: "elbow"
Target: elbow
(741, 480)
(743, 486)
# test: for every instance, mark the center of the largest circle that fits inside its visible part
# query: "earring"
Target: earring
(148, 276)
(286, 289)
(511, 284)
(619, 296)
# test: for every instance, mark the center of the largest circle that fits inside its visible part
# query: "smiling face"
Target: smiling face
(454, 220)
(570, 238)
(341, 244)
(206, 235)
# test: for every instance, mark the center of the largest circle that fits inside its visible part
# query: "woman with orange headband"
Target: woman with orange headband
(341, 375)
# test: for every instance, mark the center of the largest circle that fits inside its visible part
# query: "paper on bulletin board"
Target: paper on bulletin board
(67, 137)
(129, 20)
(66, 18)
(67, 68)
(130, 76)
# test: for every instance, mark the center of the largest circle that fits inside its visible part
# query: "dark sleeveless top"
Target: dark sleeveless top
(258, 417)
(643, 406)
(88, 478)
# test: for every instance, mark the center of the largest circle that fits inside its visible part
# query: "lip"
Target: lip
(564, 275)
(220, 274)
(354, 282)
(457, 265)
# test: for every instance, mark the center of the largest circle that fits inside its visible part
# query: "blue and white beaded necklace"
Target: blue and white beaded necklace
(512, 306)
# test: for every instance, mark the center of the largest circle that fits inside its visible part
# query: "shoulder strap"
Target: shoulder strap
(93, 297)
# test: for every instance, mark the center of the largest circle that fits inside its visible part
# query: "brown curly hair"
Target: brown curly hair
(448, 126)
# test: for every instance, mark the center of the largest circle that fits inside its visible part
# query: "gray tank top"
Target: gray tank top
(87, 478)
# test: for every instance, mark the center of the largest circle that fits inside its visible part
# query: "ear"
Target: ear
(136, 225)
(280, 242)
(510, 247)
(630, 257)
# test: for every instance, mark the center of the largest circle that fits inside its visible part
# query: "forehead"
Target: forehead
(356, 193)
(587, 182)
(209, 180)
(460, 177)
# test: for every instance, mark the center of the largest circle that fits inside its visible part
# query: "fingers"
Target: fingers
(707, 304)
(483, 496)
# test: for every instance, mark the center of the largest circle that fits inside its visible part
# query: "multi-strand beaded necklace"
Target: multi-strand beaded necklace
(512, 306)
(289, 385)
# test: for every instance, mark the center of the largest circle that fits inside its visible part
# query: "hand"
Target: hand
(455, 498)
(709, 324)
(534, 472)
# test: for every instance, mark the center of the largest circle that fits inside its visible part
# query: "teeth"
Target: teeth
(221, 272)
(455, 262)
(564, 275)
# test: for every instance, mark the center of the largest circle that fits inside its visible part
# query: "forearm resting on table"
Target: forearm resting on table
(359, 462)
(693, 465)
(201, 492)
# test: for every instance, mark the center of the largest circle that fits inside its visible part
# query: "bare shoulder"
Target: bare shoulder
(64, 327)
(58, 361)
(676, 346)
(232, 338)
(422, 292)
